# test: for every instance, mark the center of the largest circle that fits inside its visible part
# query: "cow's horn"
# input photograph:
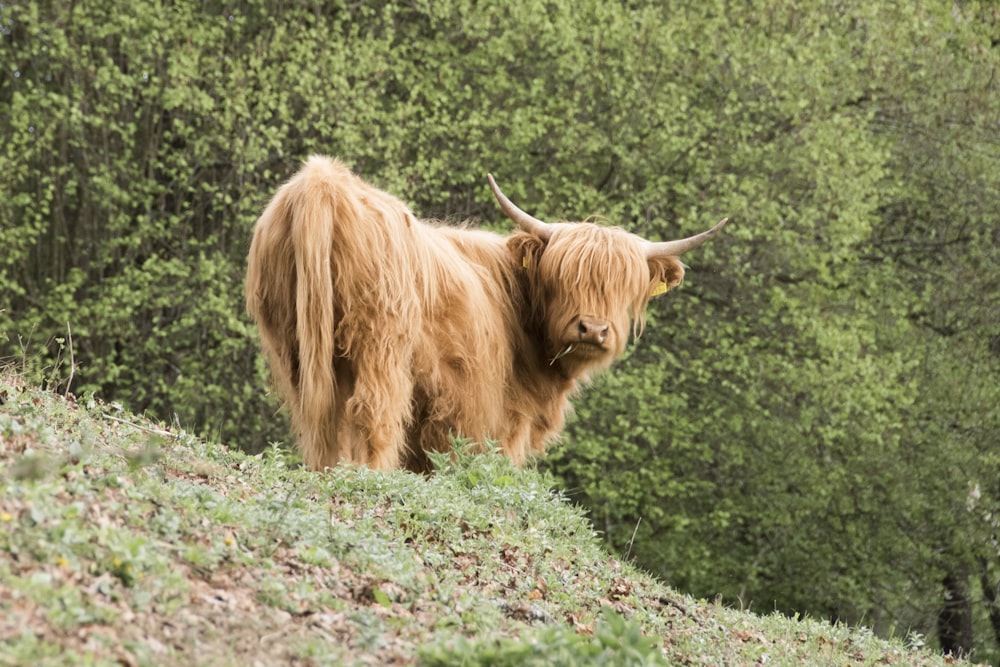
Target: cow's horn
(674, 248)
(542, 230)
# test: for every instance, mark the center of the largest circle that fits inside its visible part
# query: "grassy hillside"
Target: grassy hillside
(124, 542)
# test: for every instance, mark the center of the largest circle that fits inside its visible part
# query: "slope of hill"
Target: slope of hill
(124, 542)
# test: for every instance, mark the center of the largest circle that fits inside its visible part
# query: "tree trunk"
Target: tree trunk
(990, 591)
(955, 617)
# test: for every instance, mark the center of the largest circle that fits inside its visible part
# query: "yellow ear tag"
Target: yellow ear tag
(658, 289)
(524, 261)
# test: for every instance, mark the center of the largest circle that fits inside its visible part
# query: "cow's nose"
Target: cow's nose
(593, 331)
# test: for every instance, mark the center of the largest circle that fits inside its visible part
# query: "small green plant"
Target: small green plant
(616, 642)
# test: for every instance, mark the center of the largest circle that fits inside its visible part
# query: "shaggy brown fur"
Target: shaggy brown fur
(385, 334)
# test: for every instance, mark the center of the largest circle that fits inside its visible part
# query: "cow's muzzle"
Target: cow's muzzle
(592, 331)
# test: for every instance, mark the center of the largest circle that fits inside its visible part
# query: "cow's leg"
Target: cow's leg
(318, 442)
(381, 403)
(332, 439)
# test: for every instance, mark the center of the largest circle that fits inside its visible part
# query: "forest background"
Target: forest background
(811, 423)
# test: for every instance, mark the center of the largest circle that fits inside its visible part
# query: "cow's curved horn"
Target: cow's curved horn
(543, 230)
(674, 248)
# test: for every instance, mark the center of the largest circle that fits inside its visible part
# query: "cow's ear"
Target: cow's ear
(665, 273)
(525, 248)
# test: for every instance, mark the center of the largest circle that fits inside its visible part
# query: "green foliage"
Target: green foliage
(805, 431)
(807, 424)
(616, 642)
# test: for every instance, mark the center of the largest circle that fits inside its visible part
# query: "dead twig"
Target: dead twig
(147, 429)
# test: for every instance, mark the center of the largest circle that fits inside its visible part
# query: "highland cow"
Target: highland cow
(386, 334)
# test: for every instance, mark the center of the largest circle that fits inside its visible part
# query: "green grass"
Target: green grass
(125, 542)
